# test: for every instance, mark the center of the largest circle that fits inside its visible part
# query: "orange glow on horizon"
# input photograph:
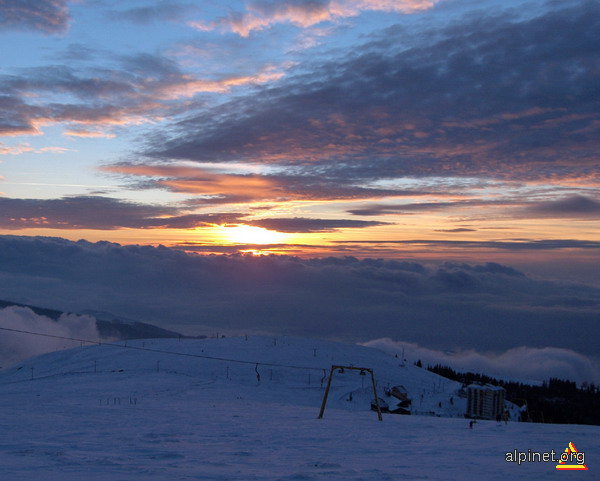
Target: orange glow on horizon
(247, 234)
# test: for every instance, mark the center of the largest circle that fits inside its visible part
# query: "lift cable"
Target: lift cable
(162, 351)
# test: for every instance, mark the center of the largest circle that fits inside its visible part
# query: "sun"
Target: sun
(247, 234)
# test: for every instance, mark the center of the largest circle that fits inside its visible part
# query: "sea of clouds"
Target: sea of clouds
(496, 317)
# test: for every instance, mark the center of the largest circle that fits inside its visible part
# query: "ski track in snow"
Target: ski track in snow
(174, 418)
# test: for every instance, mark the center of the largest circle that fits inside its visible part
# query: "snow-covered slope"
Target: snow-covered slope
(292, 370)
(142, 412)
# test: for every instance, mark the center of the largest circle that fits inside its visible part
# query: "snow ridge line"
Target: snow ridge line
(162, 351)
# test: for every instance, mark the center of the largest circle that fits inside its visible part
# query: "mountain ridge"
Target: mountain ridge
(109, 326)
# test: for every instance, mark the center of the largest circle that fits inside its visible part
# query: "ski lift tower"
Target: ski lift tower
(341, 369)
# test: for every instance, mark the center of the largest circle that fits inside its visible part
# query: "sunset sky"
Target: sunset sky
(429, 168)
(448, 129)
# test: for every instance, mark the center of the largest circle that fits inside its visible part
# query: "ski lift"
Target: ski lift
(363, 373)
(341, 370)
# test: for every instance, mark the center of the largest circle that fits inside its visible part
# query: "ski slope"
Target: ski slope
(140, 412)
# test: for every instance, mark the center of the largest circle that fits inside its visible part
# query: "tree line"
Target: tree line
(554, 401)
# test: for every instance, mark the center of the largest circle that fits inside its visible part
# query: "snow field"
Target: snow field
(150, 416)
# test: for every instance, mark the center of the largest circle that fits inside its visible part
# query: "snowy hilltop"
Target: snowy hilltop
(292, 370)
(246, 409)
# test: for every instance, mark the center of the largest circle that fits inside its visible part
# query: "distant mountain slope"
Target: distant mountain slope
(109, 326)
(40, 311)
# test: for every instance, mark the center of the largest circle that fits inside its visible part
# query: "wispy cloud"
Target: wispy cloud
(157, 12)
(18, 118)
(519, 363)
(105, 213)
(513, 245)
(25, 147)
(302, 224)
(515, 207)
(48, 16)
(227, 188)
(261, 14)
(142, 89)
(409, 208)
(97, 212)
(574, 207)
(524, 108)
(89, 134)
(456, 230)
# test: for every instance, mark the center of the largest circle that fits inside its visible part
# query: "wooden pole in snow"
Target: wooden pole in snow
(326, 393)
(375, 394)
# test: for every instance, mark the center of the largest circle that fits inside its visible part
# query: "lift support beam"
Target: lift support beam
(352, 368)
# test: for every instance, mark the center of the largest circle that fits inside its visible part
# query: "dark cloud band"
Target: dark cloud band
(486, 306)
(97, 212)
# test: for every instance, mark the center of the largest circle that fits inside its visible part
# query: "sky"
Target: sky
(428, 165)
(448, 129)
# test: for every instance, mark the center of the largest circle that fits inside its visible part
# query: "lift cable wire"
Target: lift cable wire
(162, 351)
